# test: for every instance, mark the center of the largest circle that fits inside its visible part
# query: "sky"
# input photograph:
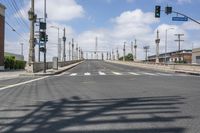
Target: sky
(112, 21)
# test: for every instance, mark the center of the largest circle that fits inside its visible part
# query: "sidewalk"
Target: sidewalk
(51, 71)
(11, 74)
(155, 67)
(16, 73)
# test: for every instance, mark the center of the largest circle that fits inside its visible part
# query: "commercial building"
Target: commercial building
(184, 56)
(2, 28)
(196, 56)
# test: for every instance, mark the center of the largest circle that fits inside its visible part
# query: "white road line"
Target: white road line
(151, 74)
(101, 73)
(116, 73)
(73, 74)
(132, 73)
(164, 74)
(87, 74)
(22, 83)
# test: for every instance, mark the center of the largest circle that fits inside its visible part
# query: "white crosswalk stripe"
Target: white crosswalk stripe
(87, 74)
(132, 73)
(101, 73)
(73, 74)
(142, 73)
(164, 74)
(151, 74)
(117, 73)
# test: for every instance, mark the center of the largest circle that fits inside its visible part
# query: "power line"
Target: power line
(15, 31)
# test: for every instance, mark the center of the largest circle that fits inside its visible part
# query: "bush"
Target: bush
(11, 63)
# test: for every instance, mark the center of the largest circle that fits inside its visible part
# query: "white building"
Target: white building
(196, 56)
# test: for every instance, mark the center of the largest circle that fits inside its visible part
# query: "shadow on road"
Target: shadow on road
(74, 115)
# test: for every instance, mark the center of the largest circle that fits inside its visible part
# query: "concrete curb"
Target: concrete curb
(53, 73)
(188, 72)
(159, 69)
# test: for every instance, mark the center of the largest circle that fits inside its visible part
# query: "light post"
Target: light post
(22, 49)
(124, 51)
(166, 43)
(59, 46)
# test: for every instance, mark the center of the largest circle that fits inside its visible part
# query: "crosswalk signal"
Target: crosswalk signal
(157, 11)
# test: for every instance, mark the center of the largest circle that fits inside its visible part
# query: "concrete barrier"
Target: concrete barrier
(39, 66)
(185, 67)
(170, 67)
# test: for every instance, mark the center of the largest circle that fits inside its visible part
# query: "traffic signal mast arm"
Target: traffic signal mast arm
(186, 16)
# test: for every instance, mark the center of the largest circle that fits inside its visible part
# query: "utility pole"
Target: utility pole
(32, 18)
(157, 47)
(107, 56)
(96, 47)
(117, 54)
(69, 51)
(64, 40)
(146, 49)
(22, 49)
(79, 55)
(135, 47)
(102, 58)
(113, 55)
(72, 48)
(45, 51)
(179, 44)
(76, 51)
(124, 51)
(132, 50)
(179, 40)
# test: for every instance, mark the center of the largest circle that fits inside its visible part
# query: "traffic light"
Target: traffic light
(46, 38)
(157, 11)
(42, 36)
(168, 10)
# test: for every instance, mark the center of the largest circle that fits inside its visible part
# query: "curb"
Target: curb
(190, 73)
(165, 70)
(53, 73)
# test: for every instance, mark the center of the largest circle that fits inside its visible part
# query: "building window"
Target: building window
(198, 57)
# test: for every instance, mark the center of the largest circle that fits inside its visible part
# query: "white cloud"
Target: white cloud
(190, 26)
(184, 1)
(57, 10)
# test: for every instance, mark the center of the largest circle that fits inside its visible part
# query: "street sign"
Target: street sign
(179, 19)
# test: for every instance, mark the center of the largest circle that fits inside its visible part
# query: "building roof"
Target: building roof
(173, 52)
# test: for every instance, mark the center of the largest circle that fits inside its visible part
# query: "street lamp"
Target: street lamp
(166, 43)
(59, 47)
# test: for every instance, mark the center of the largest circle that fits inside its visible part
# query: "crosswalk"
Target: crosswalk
(101, 73)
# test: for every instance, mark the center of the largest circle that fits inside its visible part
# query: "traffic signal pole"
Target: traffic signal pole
(45, 16)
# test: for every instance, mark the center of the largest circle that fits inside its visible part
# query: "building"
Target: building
(196, 56)
(17, 56)
(2, 28)
(184, 56)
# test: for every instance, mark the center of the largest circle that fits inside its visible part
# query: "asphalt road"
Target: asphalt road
(99, 97)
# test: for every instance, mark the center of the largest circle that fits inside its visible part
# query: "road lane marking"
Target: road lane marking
(164, 74)
(116, 73)
(73, 74)
(87, 74)
(22, 83)
(132, 73)
(101, 73)
(151, 74)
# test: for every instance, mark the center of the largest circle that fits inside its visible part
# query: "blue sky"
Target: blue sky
(112, 21)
